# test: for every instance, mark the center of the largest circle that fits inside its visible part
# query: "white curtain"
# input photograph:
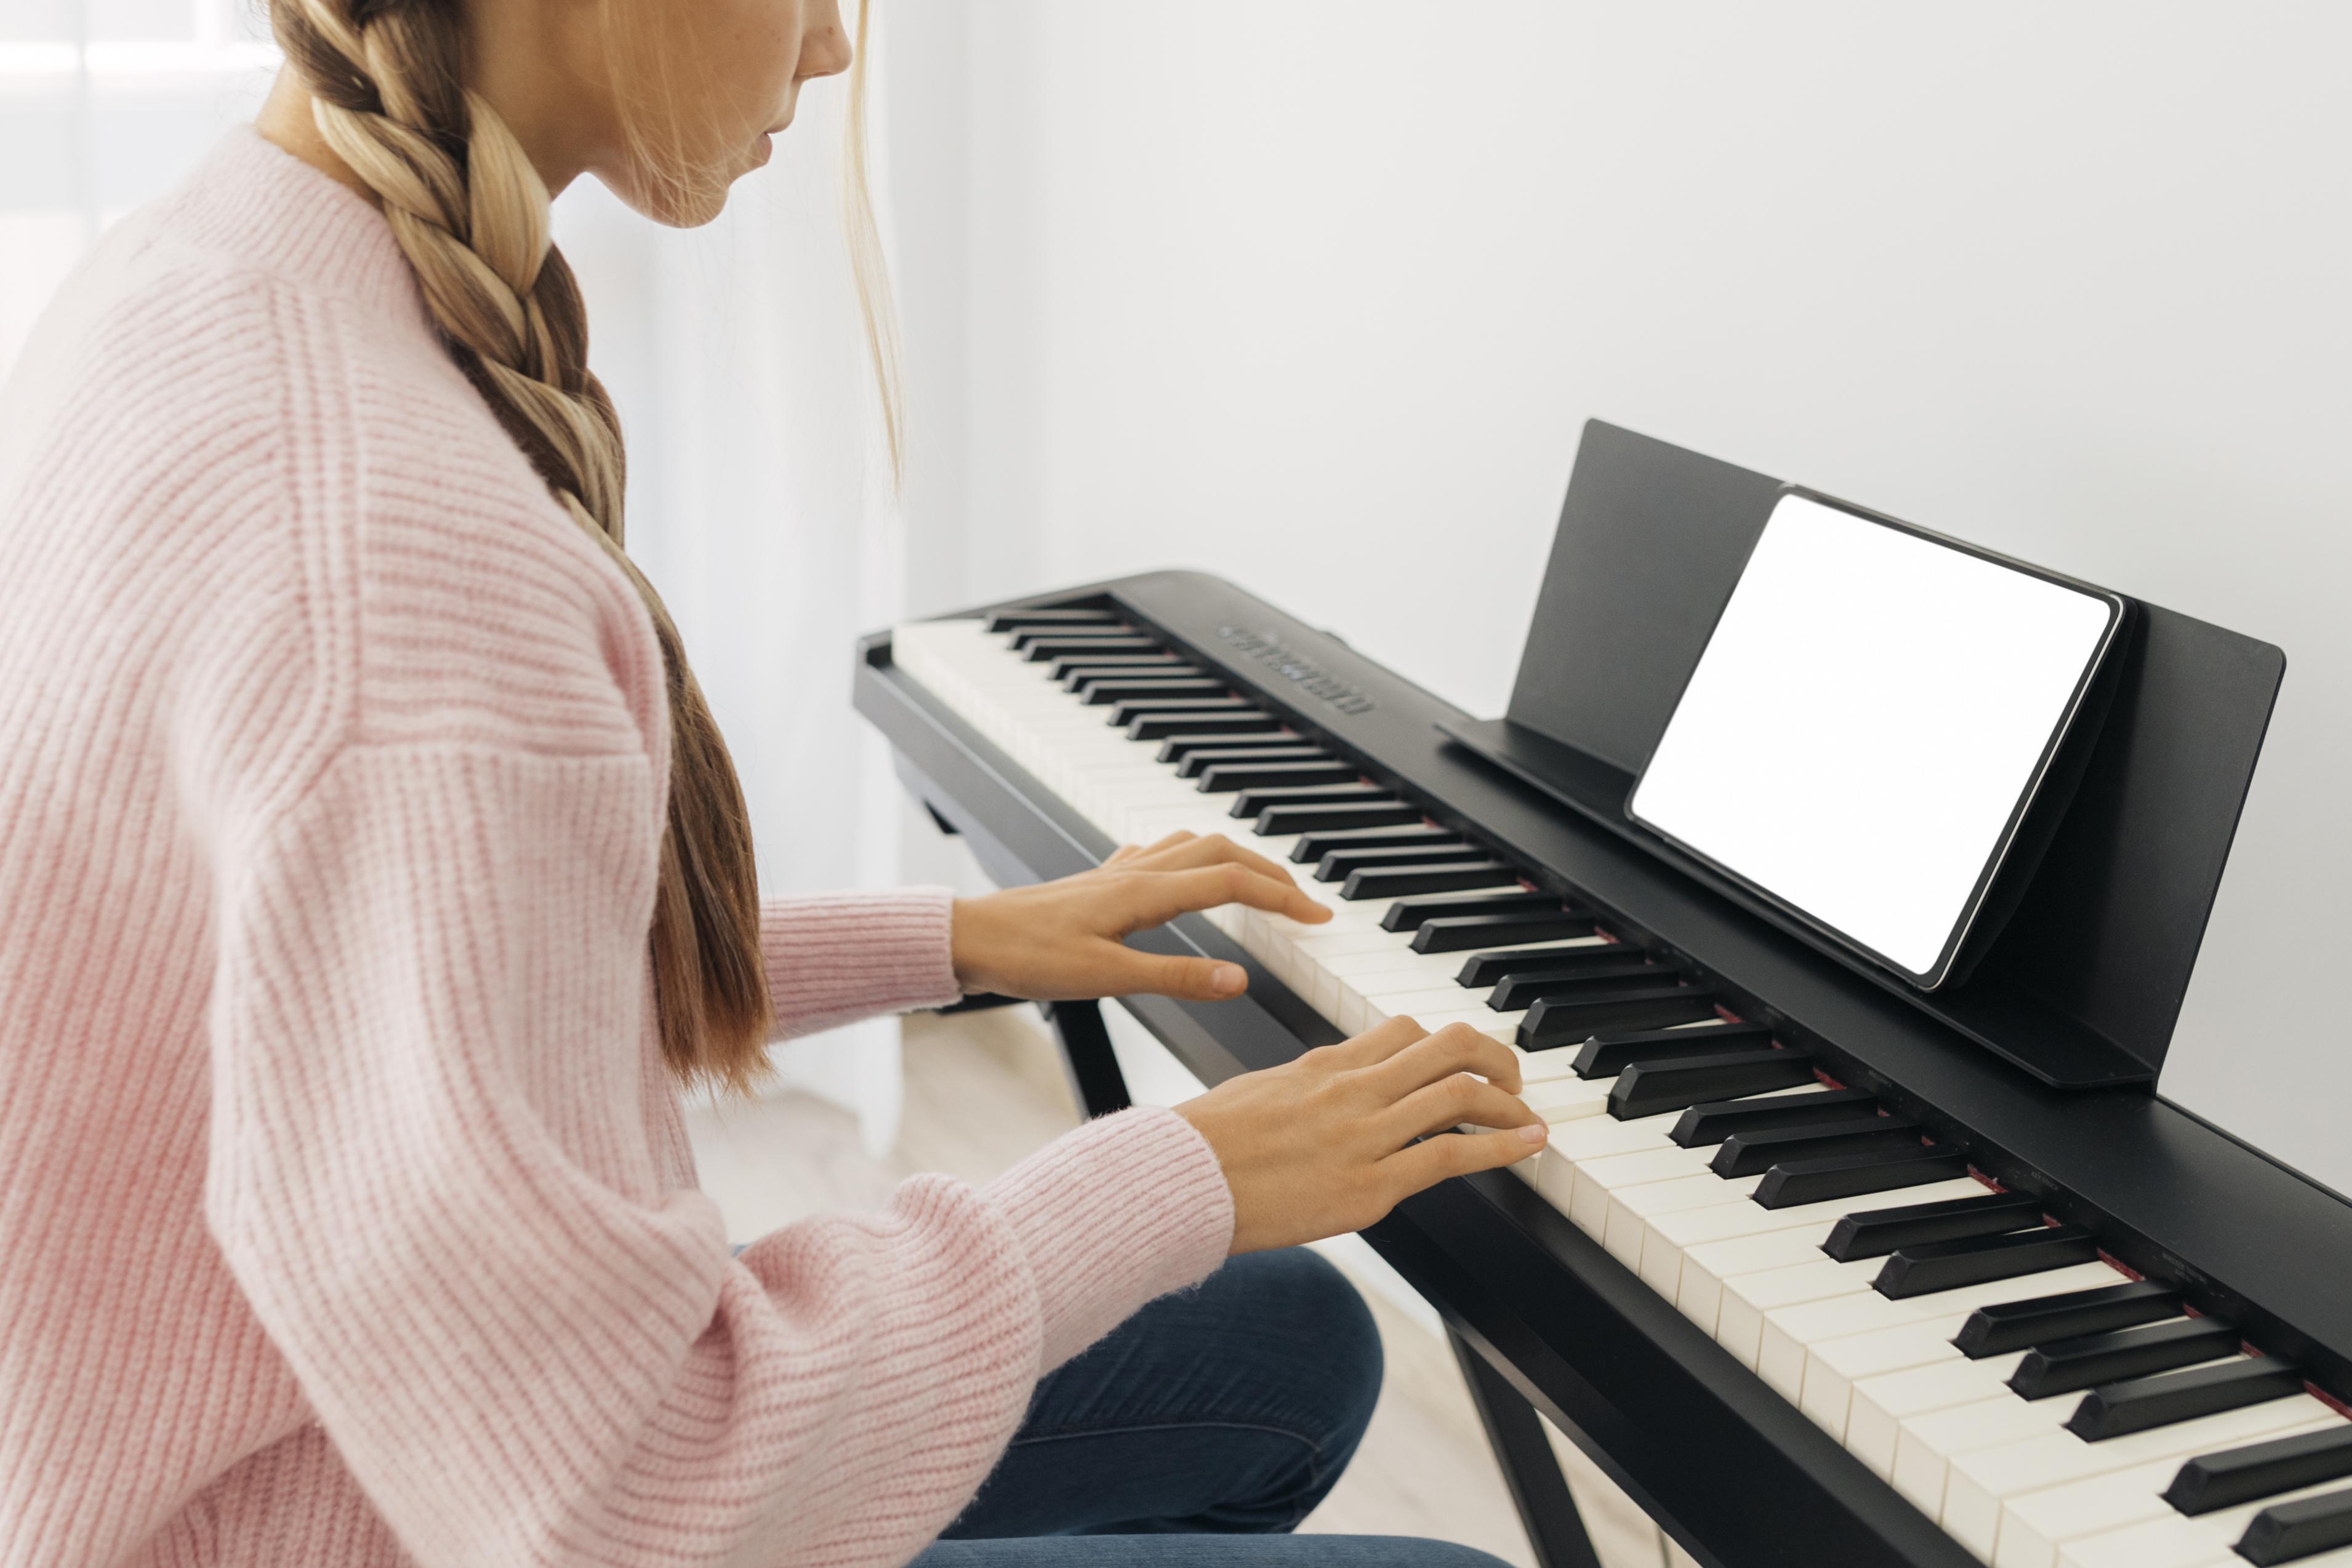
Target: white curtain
(758, 499)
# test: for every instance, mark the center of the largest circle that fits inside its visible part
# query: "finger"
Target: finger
(1160, 896)
(1128, 973)
(1165, 843)
(1453, 1102)
(1380, 1042)
(1128, 854)
(1425, 1163)
(1209, 851)
(1213, 849)
(1456, 1048)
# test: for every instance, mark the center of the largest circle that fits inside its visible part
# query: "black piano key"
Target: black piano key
(1717, 1120)
(1649, 1088)
(1037, 649)
(1191, 764)
(1250, 803)
(1079, 668)
(1314, 846)
(1161, 726)
(1104, 689)
(1397, 881)
(1746, 1154)
(1021, 619)
(1223, 777)
(1128, 711)
(1483, 969)
(1411, 914)
(2114, 1408)
(1850, 1175)
(1024, 636)
(2066, 1365)
(1931, 1266)
(1525, 987)
(1608, 1054)
(2262, 1469)
(1461, 932)
(2285, 1531)
(2020, 1325)
(1180, 749)
(1338, 863)
(1565, 1021)
(1876, 1232)
(1307, 816)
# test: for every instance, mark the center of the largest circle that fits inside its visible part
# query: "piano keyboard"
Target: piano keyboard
(2047, 1408)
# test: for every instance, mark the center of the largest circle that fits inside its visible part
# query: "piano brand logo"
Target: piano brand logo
(1279, 658)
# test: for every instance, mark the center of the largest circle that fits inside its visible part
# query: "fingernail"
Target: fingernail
(1536, 1133)
(1227, 979)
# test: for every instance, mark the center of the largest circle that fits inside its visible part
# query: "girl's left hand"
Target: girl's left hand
(1060, 941)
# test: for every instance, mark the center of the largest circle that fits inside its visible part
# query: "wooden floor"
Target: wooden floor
(982, 1090)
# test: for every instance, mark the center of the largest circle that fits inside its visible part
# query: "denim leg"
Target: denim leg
(1230, 1408)
(1204, 1552)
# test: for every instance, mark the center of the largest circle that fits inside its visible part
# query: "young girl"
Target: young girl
(374, 874)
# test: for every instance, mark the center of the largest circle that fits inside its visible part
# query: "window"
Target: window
(103, 105)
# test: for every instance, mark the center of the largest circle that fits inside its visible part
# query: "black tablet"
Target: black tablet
(1870, 724)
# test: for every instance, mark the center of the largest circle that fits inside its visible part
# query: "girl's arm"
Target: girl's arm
(835, 958)
(432, 1179)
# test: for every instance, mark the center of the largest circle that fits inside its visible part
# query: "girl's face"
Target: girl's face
(676, 101)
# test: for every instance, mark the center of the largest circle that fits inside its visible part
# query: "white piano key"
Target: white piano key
(2037, 1527)
(2176, 1540)
(1789, 1331)
(1700, 1286)
(1597, 1179)
(1739, 1321)
(1633, 1211)
(1842, 1375)
(1981, 1481)
(1925, 1444)
(1877, 1406)
(1814, 1324)
(2034, 1527)
(1668, 1233)
(2339, 1558)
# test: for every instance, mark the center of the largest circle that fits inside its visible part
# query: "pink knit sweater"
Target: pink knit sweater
(345, 1214)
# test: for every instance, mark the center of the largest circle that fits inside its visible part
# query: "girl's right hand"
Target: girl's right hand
(1324, 1145)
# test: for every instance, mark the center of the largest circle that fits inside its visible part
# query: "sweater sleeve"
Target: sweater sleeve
(430, 1179)
(837, 957)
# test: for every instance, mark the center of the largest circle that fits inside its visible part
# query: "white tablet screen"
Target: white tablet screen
(1865, 724)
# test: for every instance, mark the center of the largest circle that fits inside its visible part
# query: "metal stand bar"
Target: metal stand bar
(1095, 1081)
(1530, 1470)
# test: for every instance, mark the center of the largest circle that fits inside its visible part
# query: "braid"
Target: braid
(470, 212)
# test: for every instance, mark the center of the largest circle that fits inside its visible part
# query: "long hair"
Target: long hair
(387, 84)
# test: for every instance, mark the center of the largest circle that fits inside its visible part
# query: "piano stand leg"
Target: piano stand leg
(1530, 1470)
(1095, 1081)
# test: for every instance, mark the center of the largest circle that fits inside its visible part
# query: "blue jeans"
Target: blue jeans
(1196, 1435)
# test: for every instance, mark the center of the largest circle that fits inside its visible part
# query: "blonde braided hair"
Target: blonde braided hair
(386, 78)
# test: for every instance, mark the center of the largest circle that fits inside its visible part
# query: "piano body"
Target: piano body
(1820, 1270)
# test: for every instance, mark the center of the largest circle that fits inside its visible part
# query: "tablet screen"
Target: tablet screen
(1868, 722)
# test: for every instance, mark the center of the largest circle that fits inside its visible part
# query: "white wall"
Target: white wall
(1316, 295)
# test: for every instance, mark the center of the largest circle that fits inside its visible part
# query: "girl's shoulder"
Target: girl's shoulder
(276, 459)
